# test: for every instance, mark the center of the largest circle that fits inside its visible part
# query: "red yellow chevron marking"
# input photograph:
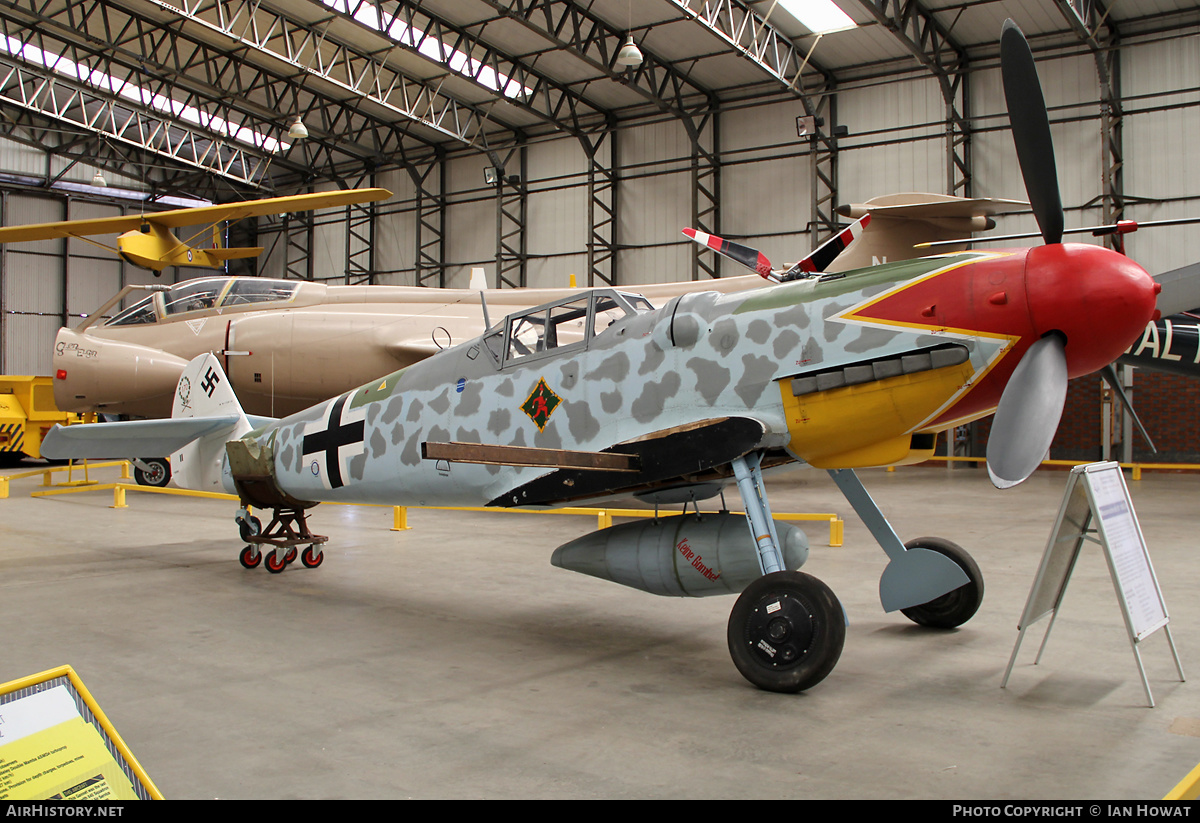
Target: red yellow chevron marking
(978, 297)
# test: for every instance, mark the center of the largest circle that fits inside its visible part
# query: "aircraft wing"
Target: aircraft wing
(929, 206)
(203, 215)
(129, 438)
(684, 457)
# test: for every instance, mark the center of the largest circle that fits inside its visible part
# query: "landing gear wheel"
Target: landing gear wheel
(249, 527)
(786, 632)
(273, 562)
(157, 472)
(250, 557)
(311, 557)
(954, 608)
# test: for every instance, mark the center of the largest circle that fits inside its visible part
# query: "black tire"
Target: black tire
(954, 608)
(273, 564)
(786, 632)
(250, 557)
(311, 557)
(157, 472)
(249, 527)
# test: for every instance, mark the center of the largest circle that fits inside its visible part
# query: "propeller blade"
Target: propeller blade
(1109, 373)
(1031, 131)
(827, 252)
(752, 259)
(1028, 413)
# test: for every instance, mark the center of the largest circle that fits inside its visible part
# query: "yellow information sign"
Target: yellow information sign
(56, 744)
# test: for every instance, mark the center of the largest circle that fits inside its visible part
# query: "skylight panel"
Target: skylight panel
(457, 61)
(818, 16)
(140, 95)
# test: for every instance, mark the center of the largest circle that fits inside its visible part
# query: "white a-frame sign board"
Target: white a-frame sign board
(1096, 507)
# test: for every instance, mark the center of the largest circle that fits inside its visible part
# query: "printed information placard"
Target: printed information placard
(55, 744)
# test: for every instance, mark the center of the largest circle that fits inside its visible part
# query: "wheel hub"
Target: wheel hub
(780, 630)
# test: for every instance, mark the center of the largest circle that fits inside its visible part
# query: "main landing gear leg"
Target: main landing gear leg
(931, 581)
(787, 629)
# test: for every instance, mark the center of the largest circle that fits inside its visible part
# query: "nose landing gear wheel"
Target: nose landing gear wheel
(786, 632)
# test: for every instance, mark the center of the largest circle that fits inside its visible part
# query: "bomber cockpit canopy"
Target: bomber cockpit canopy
(564, 325)
(206, 293)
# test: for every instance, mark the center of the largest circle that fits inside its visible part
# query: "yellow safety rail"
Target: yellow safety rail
(1135, 468)
(604, 516)
(1188, 788)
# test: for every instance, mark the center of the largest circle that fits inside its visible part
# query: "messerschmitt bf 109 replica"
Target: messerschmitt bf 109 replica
(600, 395)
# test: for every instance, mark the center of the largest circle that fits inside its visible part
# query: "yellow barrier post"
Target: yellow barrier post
(118, 497)
(400, 519)
(3, 487)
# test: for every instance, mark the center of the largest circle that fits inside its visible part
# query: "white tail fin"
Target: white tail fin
(204, 392)
(206, 415)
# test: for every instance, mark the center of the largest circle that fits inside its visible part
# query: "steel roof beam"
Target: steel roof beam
(930, 43)
(551, 101)
(366, 77)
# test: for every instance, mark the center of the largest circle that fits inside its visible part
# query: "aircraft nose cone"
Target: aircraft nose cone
(1098, 299)
(92, 373)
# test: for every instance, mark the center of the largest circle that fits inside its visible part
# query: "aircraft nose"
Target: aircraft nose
(1098, 299)
(92, 373)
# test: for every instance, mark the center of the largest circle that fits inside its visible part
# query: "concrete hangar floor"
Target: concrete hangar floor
(453, 661)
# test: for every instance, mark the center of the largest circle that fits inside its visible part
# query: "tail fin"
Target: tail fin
(207, 414)
(204, 393)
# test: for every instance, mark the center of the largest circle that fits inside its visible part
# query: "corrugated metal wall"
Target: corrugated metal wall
(896, 143)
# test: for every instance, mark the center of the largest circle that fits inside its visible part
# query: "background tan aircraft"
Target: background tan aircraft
(288, 344)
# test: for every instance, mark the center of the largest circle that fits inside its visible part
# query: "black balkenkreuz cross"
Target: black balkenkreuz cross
(211, 379)
(335, 435)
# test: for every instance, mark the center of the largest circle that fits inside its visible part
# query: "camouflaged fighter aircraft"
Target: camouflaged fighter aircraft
(599, 395)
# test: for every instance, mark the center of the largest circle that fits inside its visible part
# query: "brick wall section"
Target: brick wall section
(1168, 405)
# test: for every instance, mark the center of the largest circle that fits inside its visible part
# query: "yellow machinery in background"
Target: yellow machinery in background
(27, 412)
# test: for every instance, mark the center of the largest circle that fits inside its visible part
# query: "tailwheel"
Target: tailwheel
(954, 608)
(786, 632)
(249, 526)
(250, 557)
(275, 562)
(311, 557)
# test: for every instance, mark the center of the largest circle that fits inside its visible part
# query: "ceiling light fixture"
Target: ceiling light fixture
(298, 130)
(630, 56)
(98, 181)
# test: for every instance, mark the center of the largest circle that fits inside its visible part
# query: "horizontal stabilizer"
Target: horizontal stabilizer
(130, 438)
(234, 253)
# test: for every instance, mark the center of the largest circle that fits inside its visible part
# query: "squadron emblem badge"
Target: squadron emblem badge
(541, 404)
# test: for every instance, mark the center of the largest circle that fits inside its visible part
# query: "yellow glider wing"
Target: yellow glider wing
(202, 215)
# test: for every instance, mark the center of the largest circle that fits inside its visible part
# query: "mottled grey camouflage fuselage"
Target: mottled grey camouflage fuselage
(700, 359)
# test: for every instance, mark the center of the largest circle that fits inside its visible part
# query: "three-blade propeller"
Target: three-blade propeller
(1031, 405)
